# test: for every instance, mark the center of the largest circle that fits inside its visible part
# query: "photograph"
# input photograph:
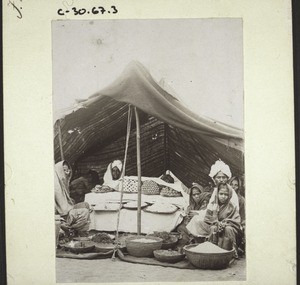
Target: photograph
(148, 150)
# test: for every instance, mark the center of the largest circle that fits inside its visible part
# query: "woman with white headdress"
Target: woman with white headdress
(113, 174)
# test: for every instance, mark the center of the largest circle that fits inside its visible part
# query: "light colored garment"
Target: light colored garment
(63, 201)
(227, 213)
(108, 179)
(77, 216)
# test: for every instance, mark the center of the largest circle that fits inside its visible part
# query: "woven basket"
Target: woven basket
(150, 188)
(130, 185)
(208, 260)
(170, 244)
(169, 192)
(142, 249)
(81, 247)
(170, 256)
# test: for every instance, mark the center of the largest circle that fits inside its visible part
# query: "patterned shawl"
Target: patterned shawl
(227, 212)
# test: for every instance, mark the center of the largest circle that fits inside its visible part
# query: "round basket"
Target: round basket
(171, 243)
(149, 187)
(142, 248)
(81, 247)
(208, 260)
(170, 256)
(169, 192)
(105, 247)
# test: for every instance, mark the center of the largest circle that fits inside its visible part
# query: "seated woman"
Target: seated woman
(222, 222)
(76, 217)
(198, 201)
(236, 184)
(113, 174)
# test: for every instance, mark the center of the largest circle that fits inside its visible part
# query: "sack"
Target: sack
(129, 185)
(169, 192)
(149, 187)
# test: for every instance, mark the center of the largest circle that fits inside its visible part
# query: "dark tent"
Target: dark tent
(172, 137)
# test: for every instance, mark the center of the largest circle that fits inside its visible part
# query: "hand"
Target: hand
(192, 214)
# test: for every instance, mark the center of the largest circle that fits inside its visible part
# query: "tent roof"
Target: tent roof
(102, 118)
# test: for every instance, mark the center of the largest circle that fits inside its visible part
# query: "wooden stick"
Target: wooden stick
(139, 172)
(60, 142)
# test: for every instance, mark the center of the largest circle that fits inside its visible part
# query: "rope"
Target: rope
(122, 179)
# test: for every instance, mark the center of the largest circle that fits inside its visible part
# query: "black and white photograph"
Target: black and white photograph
(149, 150)
(140, 136)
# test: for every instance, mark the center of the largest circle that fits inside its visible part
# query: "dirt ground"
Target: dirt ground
(106, 270)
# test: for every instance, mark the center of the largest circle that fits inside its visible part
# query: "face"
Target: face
(116, 173)
(223, 195)
(67, 170)
(235, 185)
(220, 177)
(196, 194)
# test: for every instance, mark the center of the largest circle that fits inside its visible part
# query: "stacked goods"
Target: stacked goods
(102, 238)
(149, 187)
(169, 192)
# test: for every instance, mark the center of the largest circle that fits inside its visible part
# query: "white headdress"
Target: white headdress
(220, 166)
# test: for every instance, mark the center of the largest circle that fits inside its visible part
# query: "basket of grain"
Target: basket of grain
(142, 246)
(208, 255)
(169, 240)
(170, 256)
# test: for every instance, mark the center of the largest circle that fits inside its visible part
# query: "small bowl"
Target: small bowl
(170, 256)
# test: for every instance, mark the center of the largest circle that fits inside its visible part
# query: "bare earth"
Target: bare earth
(106, 270)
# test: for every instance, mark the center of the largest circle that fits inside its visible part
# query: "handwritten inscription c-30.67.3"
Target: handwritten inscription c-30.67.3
(82, 11)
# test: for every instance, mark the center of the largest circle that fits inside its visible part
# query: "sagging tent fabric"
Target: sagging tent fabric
(172, 137)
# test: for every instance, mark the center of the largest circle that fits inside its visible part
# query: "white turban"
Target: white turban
(117, 163)
(220, 166)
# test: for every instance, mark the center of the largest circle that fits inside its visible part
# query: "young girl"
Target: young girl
(222, 221)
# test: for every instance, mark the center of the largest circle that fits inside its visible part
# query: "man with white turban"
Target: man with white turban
(220, 172)
(113, 174)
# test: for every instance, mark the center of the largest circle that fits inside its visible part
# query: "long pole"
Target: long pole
(139, 171)
(60, 142)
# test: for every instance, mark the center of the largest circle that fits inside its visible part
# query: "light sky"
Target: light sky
(200, 59)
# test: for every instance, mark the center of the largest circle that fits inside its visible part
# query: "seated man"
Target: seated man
(113, 174)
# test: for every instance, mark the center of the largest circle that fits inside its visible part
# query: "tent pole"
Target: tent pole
(60, 142)
(138, 157)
